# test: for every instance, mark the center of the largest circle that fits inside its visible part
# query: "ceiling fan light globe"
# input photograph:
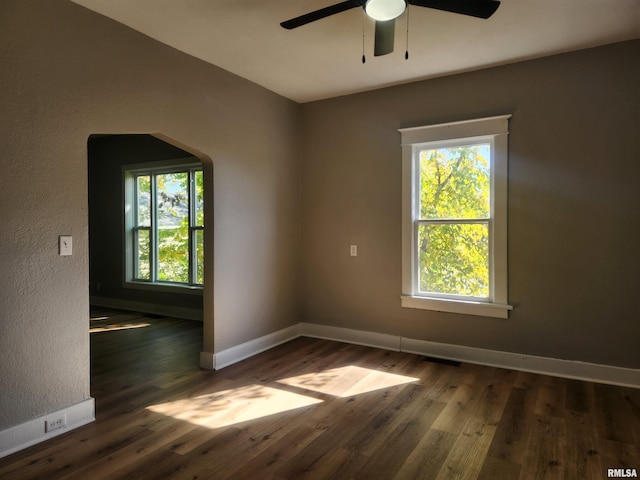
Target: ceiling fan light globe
(385, 10)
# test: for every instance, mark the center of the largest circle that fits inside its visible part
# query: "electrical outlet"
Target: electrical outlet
(353, 250)
(55, 423)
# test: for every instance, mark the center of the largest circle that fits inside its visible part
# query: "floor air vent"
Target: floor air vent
(442, 361)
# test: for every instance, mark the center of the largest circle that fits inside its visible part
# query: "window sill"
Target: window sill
(483, 309)
(165, 287)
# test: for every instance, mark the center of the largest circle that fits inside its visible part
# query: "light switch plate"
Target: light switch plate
(66, 245)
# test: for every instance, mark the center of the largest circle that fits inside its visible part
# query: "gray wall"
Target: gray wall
(573, 206)
(67, 73)
(107, 155)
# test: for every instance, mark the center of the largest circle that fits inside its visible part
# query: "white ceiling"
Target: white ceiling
(323, 59)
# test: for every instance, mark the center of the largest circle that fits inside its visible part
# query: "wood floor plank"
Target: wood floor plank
(545, 450)
(466, 457)
(456, 413)
(496, 469)
(347, 423)
(330, 467)
(278, 454)
(578, 396)
(510, 439)
(317, 409)
(615, 415)
(428, 456)
(551, 399)
(407, 433)
(467, 454)
(50, 461)
(444, 383)
(583, 455)
(619, 455)
(106, 465)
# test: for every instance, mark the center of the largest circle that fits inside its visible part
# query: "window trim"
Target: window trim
(129, 172)
(495, 131)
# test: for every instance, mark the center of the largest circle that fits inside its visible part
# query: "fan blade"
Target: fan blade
(385, 35)
(473, 8)
(319, 14)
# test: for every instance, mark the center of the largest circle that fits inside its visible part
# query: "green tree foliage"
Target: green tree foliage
(143, 235)
(454, 255)
(172, 203)
(199, 234)
(173, 227)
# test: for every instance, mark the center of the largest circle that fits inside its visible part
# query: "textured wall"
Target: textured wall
(67, 73)
(573, 206)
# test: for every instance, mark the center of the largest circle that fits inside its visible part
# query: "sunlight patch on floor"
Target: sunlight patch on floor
(347, 381)
(237, 405)
(111, 328)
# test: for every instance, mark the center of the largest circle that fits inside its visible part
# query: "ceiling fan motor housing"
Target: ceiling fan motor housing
(385, 10)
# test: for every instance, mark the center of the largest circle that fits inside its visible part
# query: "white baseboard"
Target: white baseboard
(32, 432)
(208, 360)
(144, 307)
(235, 354)
(612, 375)
(627, 377)
(347, 335)
(592, 372)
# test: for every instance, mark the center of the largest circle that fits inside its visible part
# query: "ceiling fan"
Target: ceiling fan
(385, 12)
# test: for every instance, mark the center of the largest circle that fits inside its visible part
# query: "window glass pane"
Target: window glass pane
(454, 182)
(199, 200)
(199, 260)
(143, 272)
(143, 200)
(173, 227)
(454, 259)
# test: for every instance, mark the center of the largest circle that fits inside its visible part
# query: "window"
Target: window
(454, 237)
(164, 225)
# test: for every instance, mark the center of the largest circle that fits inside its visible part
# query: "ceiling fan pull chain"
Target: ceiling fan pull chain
(364, 59)
(406, 53)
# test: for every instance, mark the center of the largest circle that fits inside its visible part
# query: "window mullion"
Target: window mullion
(415, 212)
(133, 221)
(191, 215)
(436, 221)
(135, 250)
(153, 247)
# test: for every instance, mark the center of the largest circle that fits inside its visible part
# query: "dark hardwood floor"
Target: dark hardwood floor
(325, 410)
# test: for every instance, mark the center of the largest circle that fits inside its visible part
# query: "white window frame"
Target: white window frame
(130, 172)
(492, 130)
